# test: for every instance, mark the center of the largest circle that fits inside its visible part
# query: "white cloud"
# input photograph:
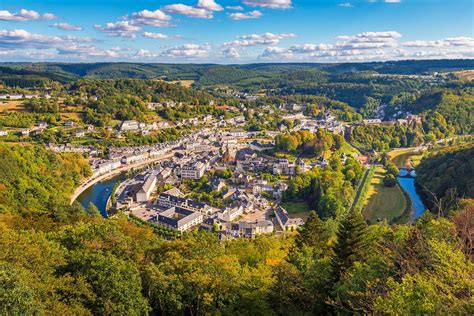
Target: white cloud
(190, 51)
(209, 5)
(345, 5)
(392, 1)
(25, 15)
(160, 35)
(187, 10)
(264, 39)
(245, 16)
(371, 37)
(119, 29)
(235, 7)
(144, 54)
(83, 52)
(67, 27)
(21, 39)
(447, 42)
(276, 53)
(274, 4)
(155, 18)
(231, 52)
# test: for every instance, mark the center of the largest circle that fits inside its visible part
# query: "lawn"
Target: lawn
(383, 202)
(295, 207)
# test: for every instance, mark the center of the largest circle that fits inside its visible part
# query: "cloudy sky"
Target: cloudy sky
(231, 31)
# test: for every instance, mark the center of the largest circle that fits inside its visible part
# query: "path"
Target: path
(94, 179)
(361, 186)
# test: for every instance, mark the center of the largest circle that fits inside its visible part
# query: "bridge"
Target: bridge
(407, 173)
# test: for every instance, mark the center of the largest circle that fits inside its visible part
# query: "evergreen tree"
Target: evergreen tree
(312, 234)
(350, 245)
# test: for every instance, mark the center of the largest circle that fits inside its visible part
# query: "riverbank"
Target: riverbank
(93, 180)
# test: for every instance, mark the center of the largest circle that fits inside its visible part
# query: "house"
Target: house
(79, 133)
(230, 214)
(194, 170)
(25, 132)
(179, 218)
(3, 133)
(372, 121)
(414, 118)
(286, 223)
(107, 166)
(218, 184)
(42, 124)
(69, 123)
(164, 174)
(171, 199)
(16, 96)
(252, 229)
(129, 126)
(148, 186)
(237, 132)
(301, 164)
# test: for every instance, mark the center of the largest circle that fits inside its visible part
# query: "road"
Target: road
(94, 179)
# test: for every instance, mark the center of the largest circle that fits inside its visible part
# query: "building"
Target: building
(179, 218)
(230, 214)
(194, 170)
(42, 124)
(129, 126)
(143, 194)
(79, 133)
(107, 166)
(3, 133)
(218, 184)
(286, 223)
(372, 121)
(252, 229)
(171, 199)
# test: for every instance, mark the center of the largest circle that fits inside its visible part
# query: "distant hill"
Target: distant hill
(212, 73)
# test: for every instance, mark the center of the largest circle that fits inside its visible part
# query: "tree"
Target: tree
(389, 180)
(350, 244)
(16, 298)
(392, 169)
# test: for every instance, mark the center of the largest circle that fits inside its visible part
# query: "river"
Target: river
(99, 193)
(408, 185)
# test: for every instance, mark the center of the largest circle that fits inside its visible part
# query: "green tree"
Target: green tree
(350, 245)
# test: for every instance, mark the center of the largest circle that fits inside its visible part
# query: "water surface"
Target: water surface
(99, 193)
(408, 185)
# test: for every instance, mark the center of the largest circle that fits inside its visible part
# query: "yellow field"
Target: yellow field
(11, 106)
(383, 202)
(71, 116)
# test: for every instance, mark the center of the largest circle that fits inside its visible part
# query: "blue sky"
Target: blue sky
(235, 31)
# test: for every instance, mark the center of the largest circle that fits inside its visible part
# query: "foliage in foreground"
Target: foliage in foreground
(82, 264)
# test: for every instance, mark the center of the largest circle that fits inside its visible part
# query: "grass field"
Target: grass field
(295, 207)
(383, 202)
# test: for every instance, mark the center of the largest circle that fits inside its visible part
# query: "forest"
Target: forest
(446, 177)
(67, 260)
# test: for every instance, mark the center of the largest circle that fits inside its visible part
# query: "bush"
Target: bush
(389, 180)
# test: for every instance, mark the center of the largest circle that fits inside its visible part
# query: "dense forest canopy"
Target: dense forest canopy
(446, 177)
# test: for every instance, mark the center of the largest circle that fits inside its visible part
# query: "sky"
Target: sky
(232, 31)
